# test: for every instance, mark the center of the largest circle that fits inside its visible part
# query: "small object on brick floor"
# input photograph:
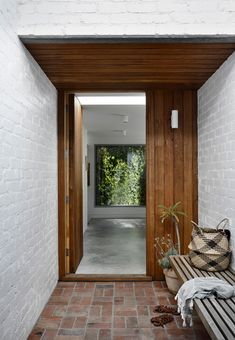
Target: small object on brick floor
(166, 309)
(161, 320)
(39, 333)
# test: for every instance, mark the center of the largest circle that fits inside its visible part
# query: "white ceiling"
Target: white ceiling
(101, 120)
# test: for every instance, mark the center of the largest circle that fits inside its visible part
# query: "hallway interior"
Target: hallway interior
(114, 246)
(180, 55)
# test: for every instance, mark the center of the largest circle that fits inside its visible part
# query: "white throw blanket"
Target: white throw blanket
(200, 288)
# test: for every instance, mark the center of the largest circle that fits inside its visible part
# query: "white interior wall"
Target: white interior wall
(110, 212)
(216, 148)
(28, 183)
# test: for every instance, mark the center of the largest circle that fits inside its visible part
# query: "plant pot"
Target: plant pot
(172, 282)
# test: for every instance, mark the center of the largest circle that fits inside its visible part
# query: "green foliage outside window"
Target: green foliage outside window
(120, 175)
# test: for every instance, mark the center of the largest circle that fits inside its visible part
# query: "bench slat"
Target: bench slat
(227, 275)
(208, 322)
(190, 269)
(215, 319)
(195, 272)
(217, 315)
(219, 275)
(231, 303)
(221, 318)
(179, 271)
(229, 310)
(184, 268)
(224, 276)
(200, 273)
(231, 272)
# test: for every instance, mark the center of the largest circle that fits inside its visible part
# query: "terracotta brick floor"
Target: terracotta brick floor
(103, 311)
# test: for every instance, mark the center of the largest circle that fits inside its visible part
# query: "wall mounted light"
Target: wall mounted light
(125, 119)
(123, 132)
(174, 119)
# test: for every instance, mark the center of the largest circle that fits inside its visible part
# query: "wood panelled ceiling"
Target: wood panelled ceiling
(76, 65)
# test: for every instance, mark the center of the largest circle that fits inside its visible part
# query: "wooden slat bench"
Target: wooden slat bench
(217, 315)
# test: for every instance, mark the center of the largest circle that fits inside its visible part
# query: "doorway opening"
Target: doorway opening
(113, 184)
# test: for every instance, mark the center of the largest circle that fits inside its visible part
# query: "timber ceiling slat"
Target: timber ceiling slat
(145, 64)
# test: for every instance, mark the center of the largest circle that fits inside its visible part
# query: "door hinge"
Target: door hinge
(67, 252)
(66, 199)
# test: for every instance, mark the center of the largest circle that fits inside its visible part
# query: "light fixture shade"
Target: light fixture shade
(174, 119)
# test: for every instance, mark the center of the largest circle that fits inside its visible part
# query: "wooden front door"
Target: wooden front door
(75, 183)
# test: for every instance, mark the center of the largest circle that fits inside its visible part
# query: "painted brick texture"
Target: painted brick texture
(28, 183)
(126, 17)
(216, 152)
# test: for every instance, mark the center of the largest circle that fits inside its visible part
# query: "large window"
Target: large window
(120, 175)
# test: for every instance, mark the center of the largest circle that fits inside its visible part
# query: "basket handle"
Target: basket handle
(225, 222)
(197, 226)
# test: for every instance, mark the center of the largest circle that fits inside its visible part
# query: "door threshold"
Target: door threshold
(105, 277)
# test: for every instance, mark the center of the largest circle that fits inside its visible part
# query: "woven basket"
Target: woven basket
(209, 248)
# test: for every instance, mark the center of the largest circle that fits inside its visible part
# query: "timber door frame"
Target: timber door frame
(63, 195)
(170, 70)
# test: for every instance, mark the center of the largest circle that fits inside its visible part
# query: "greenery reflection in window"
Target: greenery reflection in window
(120, 175)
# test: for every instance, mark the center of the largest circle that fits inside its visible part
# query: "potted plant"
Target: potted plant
(172, 213)
(166, 246)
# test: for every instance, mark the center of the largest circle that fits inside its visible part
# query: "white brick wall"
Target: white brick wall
(28, 157)
(126, 17)
(216, 141)
(28, 183)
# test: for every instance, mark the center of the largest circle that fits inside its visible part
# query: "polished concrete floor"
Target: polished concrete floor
(114, 246)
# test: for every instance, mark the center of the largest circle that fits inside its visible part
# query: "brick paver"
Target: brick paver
(103, 311)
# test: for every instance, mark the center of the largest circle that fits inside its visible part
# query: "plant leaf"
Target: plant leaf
(176, 205)
(162, 206)
(181, 213)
